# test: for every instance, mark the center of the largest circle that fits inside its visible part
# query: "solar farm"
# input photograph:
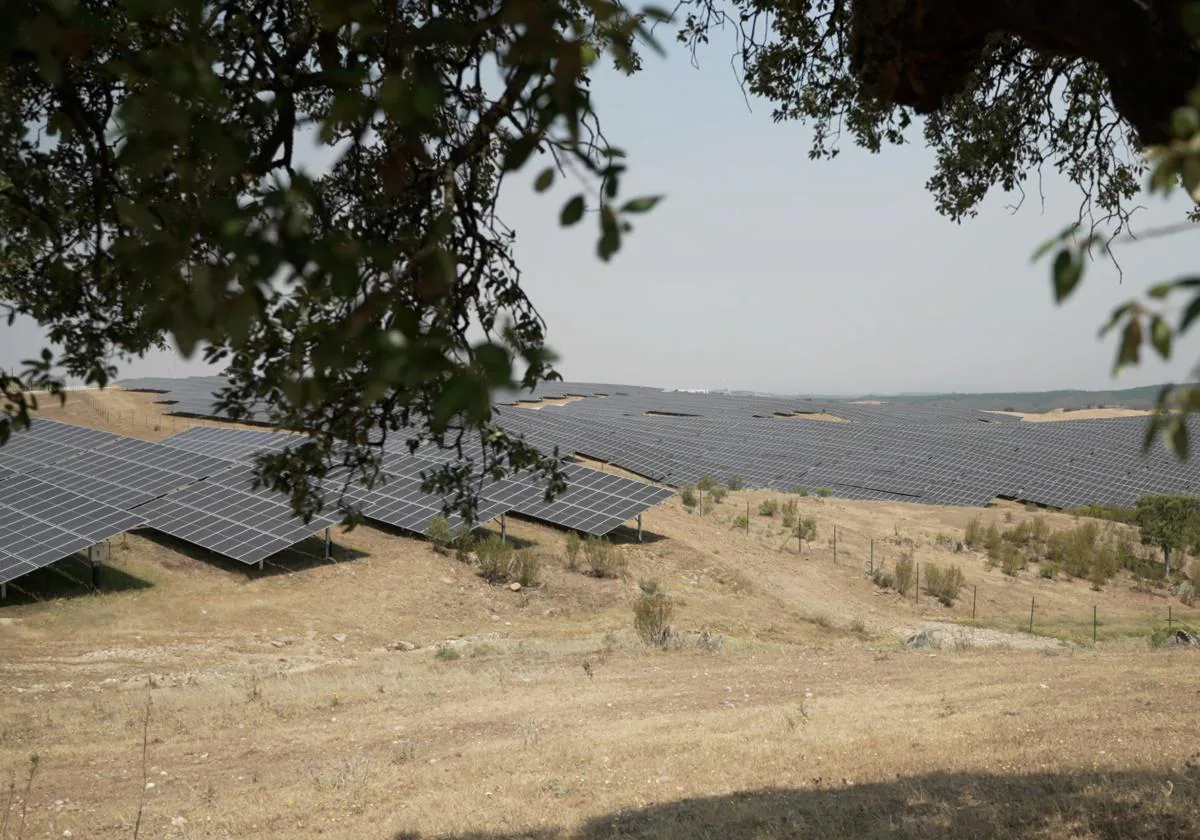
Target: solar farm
(64, 488)
(238, 673)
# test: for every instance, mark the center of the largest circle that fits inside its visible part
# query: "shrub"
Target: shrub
(1039, 528)
(602, 559)
(806, 529)
(688, 496)
(944, 583)
(823, 492)
(718, 494)
(768, 507)
(736, 482)
(1008, 517)
(800, 491)
(525, 567)
(464, 545)
(789, 519)
(882, 578)
(906, 569)
(652, 613)
(1049, 570)
(740, 521)
(1011, 560)
(440, 534)
(573, 546)
(992, 541)
(706, 483)
(973, 536)
(790, 506)
(494, 556)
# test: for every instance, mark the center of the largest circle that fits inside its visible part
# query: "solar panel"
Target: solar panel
(594, 502)
(41, 523)
(223, 514)
(230, 444)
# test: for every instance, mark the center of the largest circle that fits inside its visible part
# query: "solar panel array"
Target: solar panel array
(932, 453)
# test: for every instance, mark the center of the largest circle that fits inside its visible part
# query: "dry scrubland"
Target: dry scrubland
(269, 705)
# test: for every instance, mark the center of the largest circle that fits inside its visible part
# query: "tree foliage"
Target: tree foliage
(1166, 522)
(304, 191)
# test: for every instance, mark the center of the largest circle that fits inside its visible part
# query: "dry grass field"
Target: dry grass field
(222, 702)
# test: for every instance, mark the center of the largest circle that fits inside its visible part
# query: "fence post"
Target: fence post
(917, 588)
(747, 517)
(1031, 614)
(1170, 618)
(974, 595)
(1093, 624)
(835, 545)
(872, 554)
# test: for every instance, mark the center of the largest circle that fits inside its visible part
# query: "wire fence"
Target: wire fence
(1058, 606)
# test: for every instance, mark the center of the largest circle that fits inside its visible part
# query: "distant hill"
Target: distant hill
(1036, 401)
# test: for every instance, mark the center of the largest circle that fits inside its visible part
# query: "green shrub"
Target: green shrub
(525, 567)
(573, 546)
(446, 652)
(768, 507)
(944, 583)
(973, 535)
(464, 545)
(740, 521)
(494, 556)
(790, 506)
(440, 534)
(800, 491)
(652, 612)
(823, 492)
(1011, 560)
(718, 493)
(688, 496)
(736, 482)
(806, 529)
(706, 483)
(1049, 570)
(992, 541)
(788, 519)
(905, 572)
(603, 560)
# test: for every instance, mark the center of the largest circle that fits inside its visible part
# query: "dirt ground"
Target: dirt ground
(1062, 414)
(195, 698)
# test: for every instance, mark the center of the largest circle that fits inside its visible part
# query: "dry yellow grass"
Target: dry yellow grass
(538, 714)
(1059, 415)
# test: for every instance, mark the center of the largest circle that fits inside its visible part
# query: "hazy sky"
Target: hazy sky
(764, 270)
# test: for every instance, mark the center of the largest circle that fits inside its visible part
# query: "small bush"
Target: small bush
(800, 491)
(1049, 570)
(788, 519)
(973, 536)
(882, 578)
(688, 496)
(824, 492)
(573, 546)
(525, 567)
(603, 560)
(740, 521)
(768, 507)
(718, 494)
(494, 556)
(790, 506)
(1011, 561)
(806, 529)
(440, 534)
(905, 572)
(652, 613)
(446, 652)
(944, 583)
(1008, 517)
(464, 545)
(992, 541)
(706, 483)
(736, 482)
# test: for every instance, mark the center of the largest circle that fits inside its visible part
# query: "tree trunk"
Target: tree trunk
(1167, 563)
(921, 52)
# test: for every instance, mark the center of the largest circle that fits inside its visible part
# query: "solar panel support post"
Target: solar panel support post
(504, 527)
(328, 545)
(94, 561)
(3, 591)
(260, 565)
(639, 521)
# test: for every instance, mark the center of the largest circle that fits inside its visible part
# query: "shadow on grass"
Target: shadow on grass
(945, 806)
(70, 577)
(306, 554)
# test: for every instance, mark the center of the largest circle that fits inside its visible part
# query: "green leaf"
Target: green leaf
(545, 179)
(1160, 337)
(1052, 243)
(1067, 272)
(1190, 314)
(1117, 314)
(572, 211)
(1176, 438)
(641, 205)
(1130, 345)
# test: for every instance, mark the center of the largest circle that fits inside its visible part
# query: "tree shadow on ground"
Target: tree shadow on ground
(70, 577)
(944, 806)
(306, 554)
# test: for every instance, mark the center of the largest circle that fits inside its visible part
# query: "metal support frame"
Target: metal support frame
(3, 591)
(639, 527)
(328, 544)
(260, 565)
(503, 528)
(94, 560)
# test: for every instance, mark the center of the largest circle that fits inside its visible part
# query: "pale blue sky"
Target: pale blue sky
(764, 270)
